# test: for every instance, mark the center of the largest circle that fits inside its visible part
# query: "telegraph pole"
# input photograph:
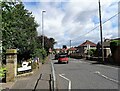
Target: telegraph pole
(70, 43)
(101, 31)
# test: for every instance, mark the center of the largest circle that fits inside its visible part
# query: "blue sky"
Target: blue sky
(71, 20)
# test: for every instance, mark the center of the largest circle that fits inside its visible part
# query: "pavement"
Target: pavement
(6, 85)
(39, 80)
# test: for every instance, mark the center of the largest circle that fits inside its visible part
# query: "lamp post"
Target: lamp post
(43, 28)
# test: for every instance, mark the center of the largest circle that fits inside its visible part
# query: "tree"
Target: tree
(18, 28)
(64, 47)
(49, 42)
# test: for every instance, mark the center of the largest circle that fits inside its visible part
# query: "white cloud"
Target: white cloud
(66, 21)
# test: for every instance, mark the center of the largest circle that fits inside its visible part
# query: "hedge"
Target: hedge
(115, 43)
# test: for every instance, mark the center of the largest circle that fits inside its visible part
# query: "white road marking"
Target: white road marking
(97, 72)
(69, 85)
(53, 75)
(83, 62)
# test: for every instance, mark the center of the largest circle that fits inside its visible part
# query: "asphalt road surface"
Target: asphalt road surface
(82, 74)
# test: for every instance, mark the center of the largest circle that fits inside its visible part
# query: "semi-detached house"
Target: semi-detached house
(87, 45)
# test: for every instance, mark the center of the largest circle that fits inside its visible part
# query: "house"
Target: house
(57, 51)
(87, 45)
(72, 50)
(110, 50)
(106, 47)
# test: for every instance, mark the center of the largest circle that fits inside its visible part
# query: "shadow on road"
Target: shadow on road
(59, 63)
(97, 63)
(106, 63)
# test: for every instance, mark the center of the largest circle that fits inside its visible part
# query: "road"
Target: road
(82, 74)
(77, 74)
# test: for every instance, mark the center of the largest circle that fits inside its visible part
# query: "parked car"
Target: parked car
(56, 56)
(63, 57)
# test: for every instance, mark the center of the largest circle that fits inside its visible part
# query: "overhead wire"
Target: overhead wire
(98, 25)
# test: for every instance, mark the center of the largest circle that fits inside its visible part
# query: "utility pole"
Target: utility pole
(70, 47)
(70, 43)
(101, 31)
(43, 29)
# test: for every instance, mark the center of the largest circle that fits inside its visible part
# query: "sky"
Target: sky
(75, 20)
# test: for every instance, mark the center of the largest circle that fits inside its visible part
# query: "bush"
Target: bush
(115, 43)
(92, 52)
(44, 60)
(34, 65)
(2, 71)
(41, 53)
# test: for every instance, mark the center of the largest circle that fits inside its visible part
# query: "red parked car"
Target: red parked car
(63, 57)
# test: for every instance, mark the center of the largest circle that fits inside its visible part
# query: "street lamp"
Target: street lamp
(43, 29)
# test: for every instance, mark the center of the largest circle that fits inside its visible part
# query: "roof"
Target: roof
(116, 39)
(64, 49)
(57, 49)
(87, 42)
(72, 49)
(105, 44)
